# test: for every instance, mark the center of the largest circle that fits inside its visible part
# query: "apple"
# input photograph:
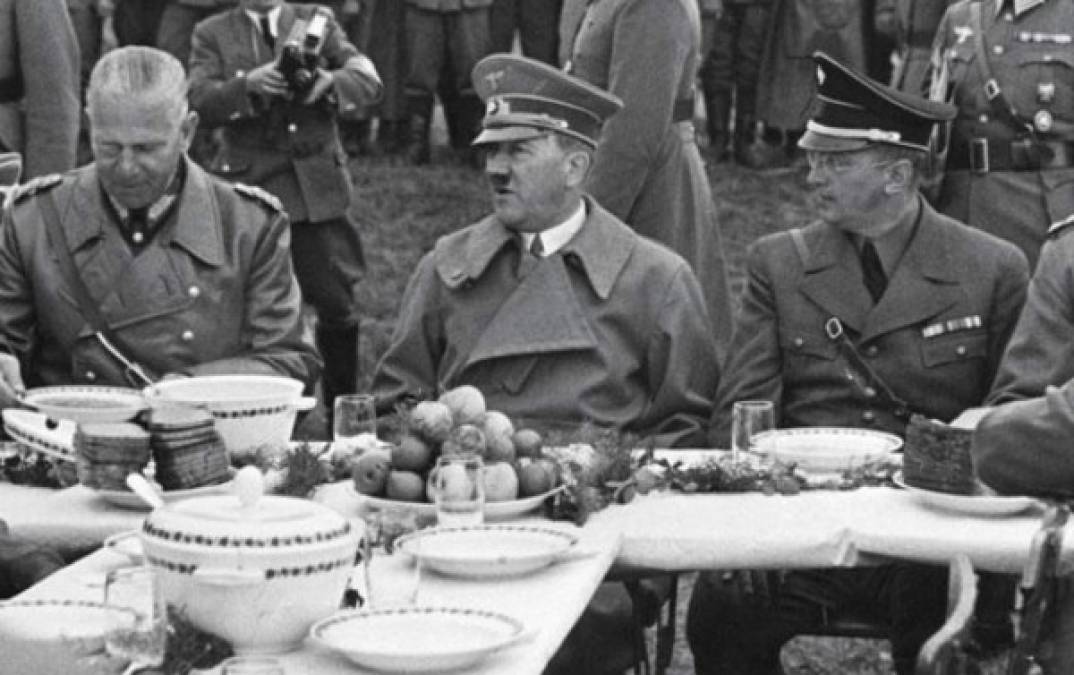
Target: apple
(370, 472)
(467, 404)
(527, 442)
(501, 482)
(498, 432)
(535, 478)
(432, 421)
(411, 454)
(406, 486)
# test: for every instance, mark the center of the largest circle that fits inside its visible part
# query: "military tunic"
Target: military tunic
(211, 293)
(935, 337)
(610, 329)
(1031, 52)
(915, 32)
(39, 85)
(648, 169)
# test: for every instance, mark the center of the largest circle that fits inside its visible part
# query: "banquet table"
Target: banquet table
(662, 531)
(548, 602)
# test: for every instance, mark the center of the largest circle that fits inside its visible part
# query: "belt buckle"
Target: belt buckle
(979, 156)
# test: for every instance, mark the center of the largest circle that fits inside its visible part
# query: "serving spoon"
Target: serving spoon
(140, 485)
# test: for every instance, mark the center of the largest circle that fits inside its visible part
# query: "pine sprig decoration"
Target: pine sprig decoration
(304, 472)
(189, 647)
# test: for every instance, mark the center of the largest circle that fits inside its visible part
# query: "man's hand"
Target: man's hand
(321, 86)
(11, 385)
(266, 80)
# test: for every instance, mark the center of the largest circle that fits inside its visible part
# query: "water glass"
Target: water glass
(458, 488)
(134, 588)
(251, 665)
(748, 419)
(352, 416)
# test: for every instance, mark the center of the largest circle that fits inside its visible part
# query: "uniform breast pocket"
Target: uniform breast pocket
(954, 348)
(1043, 79)
(806, 345)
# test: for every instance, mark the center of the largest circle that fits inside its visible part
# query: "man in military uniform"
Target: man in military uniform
(1006, 65)
(177, 23)
(911, 24)
(39, 84)
(648, 170)
(141, 261)
(881, 308)
(535, 21)
(439, 30)
(286, 140)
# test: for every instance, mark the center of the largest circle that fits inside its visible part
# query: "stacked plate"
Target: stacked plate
(107, 452)
(189, 453)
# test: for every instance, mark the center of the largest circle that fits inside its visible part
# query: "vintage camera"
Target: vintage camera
(300, 54)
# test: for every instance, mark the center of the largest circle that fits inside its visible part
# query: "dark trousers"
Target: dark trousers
(432, 37)
(177, 26)
(537, 23)
(735, 627)
(734, 60)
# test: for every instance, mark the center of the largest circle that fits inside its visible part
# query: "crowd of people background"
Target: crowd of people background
(243, 192)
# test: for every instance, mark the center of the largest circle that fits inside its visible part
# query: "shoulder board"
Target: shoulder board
(34, 186)
(1059, 227)
(260, 194)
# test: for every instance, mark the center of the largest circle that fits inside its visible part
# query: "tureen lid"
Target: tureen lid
(247, 517)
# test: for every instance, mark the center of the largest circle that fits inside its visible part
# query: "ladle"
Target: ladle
(141, 487)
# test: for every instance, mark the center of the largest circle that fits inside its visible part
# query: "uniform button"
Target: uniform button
(799, 342)
(872, 351)
(870, 392)
(960, 350)
(235, 115)
(137, 237)
(850, 377)
(997, 50)
(1008, 17)
(868, 416)
(193, 291)
(983, 119)
(187, 335)
(240, 73)
(90, 375)
(225, 167)
(292, 128)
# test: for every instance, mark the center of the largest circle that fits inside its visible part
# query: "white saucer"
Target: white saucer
(487, 551)
(972, 505)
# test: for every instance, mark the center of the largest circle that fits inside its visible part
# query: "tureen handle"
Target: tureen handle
(249, 486)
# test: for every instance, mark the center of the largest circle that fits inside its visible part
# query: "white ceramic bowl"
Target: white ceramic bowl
(824, 450)
(258, 570)
(250, 411)
(56, 636)
(86, 403)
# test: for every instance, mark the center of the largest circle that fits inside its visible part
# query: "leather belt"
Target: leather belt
(10, 89)
(980, 155)
(683, 110)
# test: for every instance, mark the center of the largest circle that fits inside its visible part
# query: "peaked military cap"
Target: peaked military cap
(526, 98)
(853, 111)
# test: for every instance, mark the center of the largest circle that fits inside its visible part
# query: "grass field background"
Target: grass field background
(404, 210)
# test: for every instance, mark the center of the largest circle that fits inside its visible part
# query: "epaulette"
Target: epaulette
(260, 194)
(1058, 227)
(34, 186)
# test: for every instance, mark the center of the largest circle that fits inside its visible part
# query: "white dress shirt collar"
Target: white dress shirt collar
(556, 237)
(273, 19)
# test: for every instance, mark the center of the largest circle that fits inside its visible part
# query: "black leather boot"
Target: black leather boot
(420, 108)
(718, 123)
(339, 349)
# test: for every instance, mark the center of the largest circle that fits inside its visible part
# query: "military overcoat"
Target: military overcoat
(610, 329)
(39, 85)
(935, 338)
(648, 170)
(212, 293)
(291, 150)
(1031, 56)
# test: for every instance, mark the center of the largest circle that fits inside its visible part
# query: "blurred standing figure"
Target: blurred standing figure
(288, 143)
(178, 20)
(39, 85)
(799, 28)
(387, 48)
(912, 25)
(729, 74)
(648, 169)
(137, 21)
(94, 30)
(537, 24)
(1010, 165)
(439, 31)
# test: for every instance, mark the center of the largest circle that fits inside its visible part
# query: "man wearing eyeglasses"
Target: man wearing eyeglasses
(881, 308)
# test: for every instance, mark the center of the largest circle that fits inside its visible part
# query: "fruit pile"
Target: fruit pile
(456, 424)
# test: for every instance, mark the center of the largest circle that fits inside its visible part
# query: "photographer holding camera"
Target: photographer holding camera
(276, 78)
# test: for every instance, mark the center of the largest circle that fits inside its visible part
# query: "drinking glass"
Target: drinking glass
(251, 665)
(748, 419)
(134, 588)
(353, 415)
(458, 487)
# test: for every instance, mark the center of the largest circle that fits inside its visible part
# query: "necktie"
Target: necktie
(266, 32)
(872, 271)
(537, 246)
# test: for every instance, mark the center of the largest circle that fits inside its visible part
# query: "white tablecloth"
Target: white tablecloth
(662, 531)
(548, 602)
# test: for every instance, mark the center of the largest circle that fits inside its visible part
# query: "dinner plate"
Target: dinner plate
(826, 450)
(86, 403)
(513, 508)
(417, 639)
(974, 505)
(36, 431)
(126, 499)
(486, 551)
